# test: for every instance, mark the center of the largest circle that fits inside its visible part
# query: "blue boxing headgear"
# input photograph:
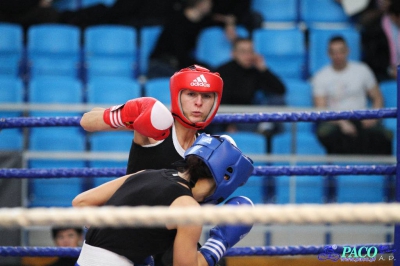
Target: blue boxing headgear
(223, 159)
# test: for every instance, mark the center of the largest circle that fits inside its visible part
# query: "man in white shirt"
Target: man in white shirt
(348, 85)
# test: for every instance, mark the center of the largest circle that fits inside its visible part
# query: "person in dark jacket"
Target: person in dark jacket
(246, 76)
(175, 46)
(381, 42)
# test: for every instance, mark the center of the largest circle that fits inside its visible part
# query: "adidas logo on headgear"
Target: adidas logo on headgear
(200, 81)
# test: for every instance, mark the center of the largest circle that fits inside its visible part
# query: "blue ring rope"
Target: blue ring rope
(17, 122)
(259, 171)
(8, 251)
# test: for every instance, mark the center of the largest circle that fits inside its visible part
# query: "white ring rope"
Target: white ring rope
(152, 216)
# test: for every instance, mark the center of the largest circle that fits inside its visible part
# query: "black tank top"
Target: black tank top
(156, 157)
(149, 188)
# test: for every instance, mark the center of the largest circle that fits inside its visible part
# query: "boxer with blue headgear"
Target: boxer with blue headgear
(229, 167)
(212, 170)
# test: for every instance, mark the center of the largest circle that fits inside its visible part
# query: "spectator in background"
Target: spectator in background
(381, 42)
(27, 12)
(246, 75)
(346, 85)
(62, 237)
(175, 46)
(66, 237)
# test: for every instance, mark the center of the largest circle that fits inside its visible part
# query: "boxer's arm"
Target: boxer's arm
(185, 251)
(92, 121)
(98, 196)
(145, 115)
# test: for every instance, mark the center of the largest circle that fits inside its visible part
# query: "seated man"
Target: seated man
(346, 85)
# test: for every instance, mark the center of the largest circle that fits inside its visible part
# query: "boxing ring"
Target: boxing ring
(381, 213)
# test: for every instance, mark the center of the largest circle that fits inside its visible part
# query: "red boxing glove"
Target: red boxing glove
(146, 115)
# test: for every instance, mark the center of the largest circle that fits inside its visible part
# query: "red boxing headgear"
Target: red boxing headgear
(199, 79)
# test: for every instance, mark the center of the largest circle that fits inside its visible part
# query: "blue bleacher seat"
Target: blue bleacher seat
(390, 123)
(322, 11)
(283, 50)
(282, 144)
(55, 90)
(53, 49)
(110, 50)
(306, 189)
(360, 188)
(159, 89)
(277, 10)
(11, 48)
(213, 48)
(299, 126)
(88, 3)
(55, 192)
(112, 90)
(56, 139)
(97, 181)
(148, 39)
(253, 189)
(11, 91)
(251, 143)
(298, 93)
(109, 142)
(109, 67)
(306, 142)
(389, 93)
(318, 46)
(11, 139)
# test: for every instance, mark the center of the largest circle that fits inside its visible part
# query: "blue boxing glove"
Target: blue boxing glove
(149, 261)
(223, 237)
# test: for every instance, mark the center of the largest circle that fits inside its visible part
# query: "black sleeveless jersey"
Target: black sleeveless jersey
(155, 157)
(149, 188)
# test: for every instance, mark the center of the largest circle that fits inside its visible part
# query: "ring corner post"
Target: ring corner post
(396, 253)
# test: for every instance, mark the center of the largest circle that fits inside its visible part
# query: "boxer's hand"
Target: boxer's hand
(146, 115)
(223, 237)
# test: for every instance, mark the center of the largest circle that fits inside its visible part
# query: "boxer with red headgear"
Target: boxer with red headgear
(195, 97)
(198, 79)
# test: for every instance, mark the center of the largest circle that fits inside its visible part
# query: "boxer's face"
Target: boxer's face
(196, 106)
